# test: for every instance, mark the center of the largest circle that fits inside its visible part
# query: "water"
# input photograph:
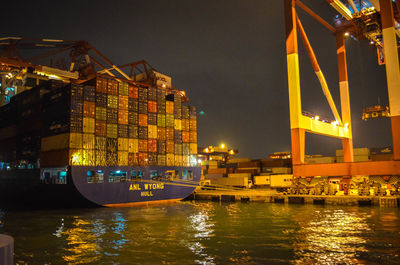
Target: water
(206, 233)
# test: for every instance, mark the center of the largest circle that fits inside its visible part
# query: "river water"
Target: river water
(206, 233)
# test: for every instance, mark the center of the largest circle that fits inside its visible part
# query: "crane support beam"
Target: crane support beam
(348, 169)
(392, 71)
(347, 143)
(317, 70)
(314, 15)
(341, 8)
(297, 133)
(324, 128)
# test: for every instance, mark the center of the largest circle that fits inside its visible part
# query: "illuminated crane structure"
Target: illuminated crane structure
(25, 59)
(372, 20)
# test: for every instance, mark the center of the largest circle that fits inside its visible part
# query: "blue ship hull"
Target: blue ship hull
(135, 191)
(29, 188)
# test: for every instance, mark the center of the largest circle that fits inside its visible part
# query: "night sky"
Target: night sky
(229, 56)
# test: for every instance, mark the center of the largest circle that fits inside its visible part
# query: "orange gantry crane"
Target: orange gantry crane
(375, 21)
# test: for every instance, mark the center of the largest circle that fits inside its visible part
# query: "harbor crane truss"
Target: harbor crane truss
(70, 61)
(372, 20)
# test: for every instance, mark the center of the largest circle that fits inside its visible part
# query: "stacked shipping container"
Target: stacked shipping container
(110, 123)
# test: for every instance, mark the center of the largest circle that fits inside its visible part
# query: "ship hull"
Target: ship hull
(77, 192)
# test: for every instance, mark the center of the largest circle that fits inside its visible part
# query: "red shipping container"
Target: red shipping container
(133, 92)
(152, 106)
(132, 159)
(89, 109)
(143, 159)
(143, 120)
(152, 146)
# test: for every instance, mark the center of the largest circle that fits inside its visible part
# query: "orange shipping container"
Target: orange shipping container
(101, 85)
(75, 140)
(122, 117)
(193, 136)
(170, 147)
(143, 159)
(185, 124)
(142, 145)
(152, 106)
(169, 134)
(185, 136)
(132, 159)
(123, 102)
(169, 107)
(88, 109)
(152, 146)
(161, 134)
(143, 120)
(193, 124)
(133, 91)
(112, 87)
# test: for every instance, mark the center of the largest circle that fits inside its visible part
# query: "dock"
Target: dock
(271, 196)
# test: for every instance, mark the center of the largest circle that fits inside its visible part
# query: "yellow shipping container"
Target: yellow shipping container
(76, 158)
(193, 149)
(88, 157)
(169, 107)
(178, 160)
(100, 143)
(133, 146)
(178, 125)
(56, 142)
(170, 160)
(186, 161)
(152, 131)
(123, 144)
(112, 101)
(101, 158)
(88, 125)
(88, 141)
(112, 130)
(101, 113)
(75, 140)
(122, 158)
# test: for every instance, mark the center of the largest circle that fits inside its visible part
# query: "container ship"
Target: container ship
(83, 137)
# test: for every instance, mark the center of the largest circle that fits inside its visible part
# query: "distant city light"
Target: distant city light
(222, 145)
(201, 112)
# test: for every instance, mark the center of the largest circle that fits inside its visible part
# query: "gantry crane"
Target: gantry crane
(375, 21)
(71, 61)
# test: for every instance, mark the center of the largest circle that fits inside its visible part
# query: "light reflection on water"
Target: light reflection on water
(206, 233)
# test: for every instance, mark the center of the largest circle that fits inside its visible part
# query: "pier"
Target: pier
(271, 196)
